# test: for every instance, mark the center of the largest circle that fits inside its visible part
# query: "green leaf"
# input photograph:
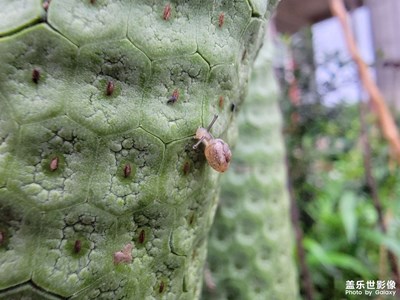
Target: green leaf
(392, 243)
(347, 209)
(333, 260)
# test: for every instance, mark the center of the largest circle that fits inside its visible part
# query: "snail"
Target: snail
(216, 151)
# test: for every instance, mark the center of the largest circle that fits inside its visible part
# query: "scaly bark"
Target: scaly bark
(101, 193)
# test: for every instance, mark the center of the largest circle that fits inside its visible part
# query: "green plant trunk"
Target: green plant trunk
(101, 193)
(250, 248)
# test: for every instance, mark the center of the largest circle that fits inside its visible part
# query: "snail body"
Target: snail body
(217, 152)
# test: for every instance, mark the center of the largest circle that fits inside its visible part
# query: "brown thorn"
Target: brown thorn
(35, 75)
(167, 12)
(127, 170)
(221, 102)
(186, 168)
(142, 235)
(110, 88)
(161, 288)
(77, 246)
(174, 97)
(221, 19)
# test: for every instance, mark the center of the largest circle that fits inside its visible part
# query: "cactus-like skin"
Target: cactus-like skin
(101, 193)
(250, 248)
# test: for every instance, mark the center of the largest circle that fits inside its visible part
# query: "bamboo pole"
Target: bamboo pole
(386, 122)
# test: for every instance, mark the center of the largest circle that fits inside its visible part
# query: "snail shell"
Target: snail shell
(218, 155)
(216, 151)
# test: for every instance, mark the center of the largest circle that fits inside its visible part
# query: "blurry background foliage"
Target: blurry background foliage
(342, 238)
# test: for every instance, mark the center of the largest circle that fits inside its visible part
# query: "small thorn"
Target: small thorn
(167, 12)
(142, 236)
(54, 164)
(35, 75)
(186, 168)
(233, 107)
(110, 88)
(221, 102)
(127, 170)
(77, 246)
(161, 288)
(174, 97)
(221, 19)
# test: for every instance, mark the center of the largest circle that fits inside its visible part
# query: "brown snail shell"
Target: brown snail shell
(216, 151)
(218, 155)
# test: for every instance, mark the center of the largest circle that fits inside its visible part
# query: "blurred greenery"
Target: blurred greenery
(342, 238)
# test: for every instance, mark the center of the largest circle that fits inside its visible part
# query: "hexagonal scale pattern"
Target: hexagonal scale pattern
(52, 56)
(19, 13)
(65, 267)
(19, 232)
(30, 172)
(91, 104)
(90, 21)
(112, 188)
(94, 154)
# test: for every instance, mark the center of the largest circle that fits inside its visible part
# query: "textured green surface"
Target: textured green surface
(165, 206)
(250, 248)
(14, 15)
